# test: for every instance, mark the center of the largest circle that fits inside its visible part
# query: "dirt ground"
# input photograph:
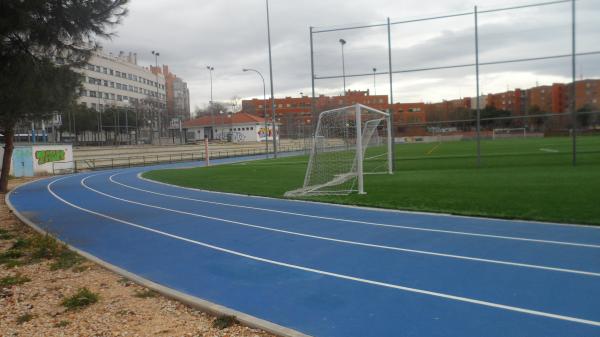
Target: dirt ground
(33, 290)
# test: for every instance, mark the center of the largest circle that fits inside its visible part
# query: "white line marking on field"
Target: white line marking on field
(326, 273)
(585, 245)
(355, 243)
(549, 150)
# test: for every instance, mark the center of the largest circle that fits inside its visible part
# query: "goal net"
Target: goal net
(509, 133)
(348, 143)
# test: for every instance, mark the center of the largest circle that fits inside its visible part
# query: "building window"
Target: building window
(119, 98)
(123, 75)
(111, 71)
(90, 67)
(98, 69)
(112, 96)
(105, 83)
(129, 76)
(83, 93)
(118, 73)
(135, 78)
(118, 85)
(105, 70)
(112, 84)
(131, 88)
(92, 93)
(91, 80)
(94, 106)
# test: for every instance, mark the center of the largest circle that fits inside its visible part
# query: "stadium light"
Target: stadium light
(265, 111)
(342, 43)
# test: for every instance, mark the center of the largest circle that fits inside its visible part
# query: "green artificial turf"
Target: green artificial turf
(518, 178)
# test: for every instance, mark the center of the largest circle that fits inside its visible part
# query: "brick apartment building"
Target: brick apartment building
(449, 110)
(295, 112)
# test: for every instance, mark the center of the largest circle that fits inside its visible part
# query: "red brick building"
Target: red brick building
(296, 112)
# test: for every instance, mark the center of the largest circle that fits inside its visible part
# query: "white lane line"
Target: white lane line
(501, 237)
(549, 150)
(355, 243)
(326, 273)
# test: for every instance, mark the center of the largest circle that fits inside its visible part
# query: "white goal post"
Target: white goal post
(509, 133)
(348, 143)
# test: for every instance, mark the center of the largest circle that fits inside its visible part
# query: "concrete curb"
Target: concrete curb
(189, 300)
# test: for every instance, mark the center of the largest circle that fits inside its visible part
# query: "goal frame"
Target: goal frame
(359, 146)
(494, 131)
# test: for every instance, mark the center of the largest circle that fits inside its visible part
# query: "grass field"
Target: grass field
(518, 178)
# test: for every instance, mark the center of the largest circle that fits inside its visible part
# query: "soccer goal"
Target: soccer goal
(348, 143)
(509, 133)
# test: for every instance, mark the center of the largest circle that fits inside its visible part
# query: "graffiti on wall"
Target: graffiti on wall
(47, 156)
(261, 132)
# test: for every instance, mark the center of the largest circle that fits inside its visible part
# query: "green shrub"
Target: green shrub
(24, 318)
(224, 321)
(81, 299)
(66, 259)
(10, 281)
(148, 293)
(61, 324)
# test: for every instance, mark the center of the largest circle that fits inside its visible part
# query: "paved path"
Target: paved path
(327, 270)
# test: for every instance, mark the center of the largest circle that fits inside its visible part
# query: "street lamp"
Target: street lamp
(374, 82)
(156, 55)
(265, 111)
(342, 43)
(99, 110)
(210, 103)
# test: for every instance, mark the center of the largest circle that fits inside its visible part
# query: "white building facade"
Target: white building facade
(240, 127)
(118, 81)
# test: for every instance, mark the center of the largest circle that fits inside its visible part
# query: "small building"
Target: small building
(40, 160)
(239, 127)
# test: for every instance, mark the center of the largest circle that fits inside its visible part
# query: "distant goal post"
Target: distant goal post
(509, 133)
(348, 143)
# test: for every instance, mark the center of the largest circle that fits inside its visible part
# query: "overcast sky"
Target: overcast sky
(231, 34)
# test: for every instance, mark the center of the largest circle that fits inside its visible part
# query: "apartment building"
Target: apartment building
(177, 93)
(117, 80)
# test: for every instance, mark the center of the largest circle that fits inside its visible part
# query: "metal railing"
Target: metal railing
(149, 160)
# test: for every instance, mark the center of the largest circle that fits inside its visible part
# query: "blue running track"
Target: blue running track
(327, 270)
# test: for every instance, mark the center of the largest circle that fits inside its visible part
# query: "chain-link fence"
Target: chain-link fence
(482, 86)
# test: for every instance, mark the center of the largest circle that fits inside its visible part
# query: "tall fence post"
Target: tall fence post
(477, 99)
(573, 84)
(391, 131)
(312, 79)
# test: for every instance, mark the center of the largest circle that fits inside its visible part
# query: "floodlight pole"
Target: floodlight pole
(342, 43)
(374, 82)
(312, 79)
(477, 85)
(271, 80)
(210, 104)
(573, 84)
(391, 129)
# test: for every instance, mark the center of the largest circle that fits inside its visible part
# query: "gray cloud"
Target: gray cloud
(231, 35)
